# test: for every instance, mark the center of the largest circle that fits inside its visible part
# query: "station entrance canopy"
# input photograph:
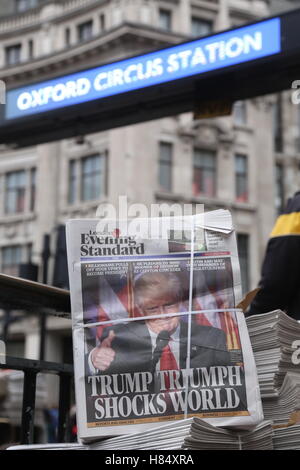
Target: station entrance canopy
(240, 63)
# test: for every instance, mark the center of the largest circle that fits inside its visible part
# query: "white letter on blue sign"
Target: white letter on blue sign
(253, 42)
(98, 85)
(24, 101)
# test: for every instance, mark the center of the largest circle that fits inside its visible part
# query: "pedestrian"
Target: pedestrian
(280, 279)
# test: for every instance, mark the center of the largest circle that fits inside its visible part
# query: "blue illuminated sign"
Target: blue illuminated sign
(181, 61)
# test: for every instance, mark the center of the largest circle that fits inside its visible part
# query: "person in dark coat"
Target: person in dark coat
(280, 279)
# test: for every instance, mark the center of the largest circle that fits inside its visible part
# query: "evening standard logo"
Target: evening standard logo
(95, 245)
(184, 60)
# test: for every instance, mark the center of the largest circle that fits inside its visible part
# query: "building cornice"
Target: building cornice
(33, 19)
(207, 4)
(75, 58)
(248, 10)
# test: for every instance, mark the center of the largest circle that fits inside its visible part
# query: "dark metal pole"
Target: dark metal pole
(43, 320)
(63, 432)
(27, 426)
(6, 323)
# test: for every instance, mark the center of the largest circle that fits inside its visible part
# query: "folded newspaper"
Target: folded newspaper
(156, 334)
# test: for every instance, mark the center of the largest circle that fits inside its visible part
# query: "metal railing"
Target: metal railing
(32, 297)
(31, 368)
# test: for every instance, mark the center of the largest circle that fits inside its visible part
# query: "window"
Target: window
(15, 192)
(102, 22)
(30, 49)
(165, 19)
(165, 166)
(279, 199)
(15, 348)
(85, 31)
(72, 182)
(91, 172)
(32, 189)
(23, 5)
(201, 27)
(67, 36)
(204, 173)
(13, 54)
(277, 125)
(20, 186)
(240, 113)
(11, 260)
(92, 177)
(241, 178)
(243, 251)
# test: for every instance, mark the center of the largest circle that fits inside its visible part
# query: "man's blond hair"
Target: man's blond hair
(154, 285)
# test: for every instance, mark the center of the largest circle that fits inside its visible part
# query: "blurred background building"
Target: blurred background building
(248, 162)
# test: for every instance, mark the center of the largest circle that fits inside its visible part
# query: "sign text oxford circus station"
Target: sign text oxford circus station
(188, 59)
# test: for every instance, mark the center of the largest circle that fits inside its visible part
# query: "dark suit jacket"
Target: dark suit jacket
(133, 348)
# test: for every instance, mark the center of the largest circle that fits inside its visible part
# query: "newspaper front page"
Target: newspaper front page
(156, 334)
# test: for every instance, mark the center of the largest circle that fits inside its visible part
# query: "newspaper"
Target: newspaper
(156, 334)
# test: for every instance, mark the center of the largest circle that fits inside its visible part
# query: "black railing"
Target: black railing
(31, 368)
(32, 297)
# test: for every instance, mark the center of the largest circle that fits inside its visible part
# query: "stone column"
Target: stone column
(184, 18)
(48, 172)
(265, 189)
(223, 19)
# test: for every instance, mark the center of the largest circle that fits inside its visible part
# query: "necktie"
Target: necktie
(167, 362)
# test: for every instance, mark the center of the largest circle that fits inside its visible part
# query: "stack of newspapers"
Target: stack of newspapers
(59, 446)
(275, 342)
(280, 409)
(193, 434)
(203, 436)
(275, 338)
(163, 437)
(189, 434)
(287, 438)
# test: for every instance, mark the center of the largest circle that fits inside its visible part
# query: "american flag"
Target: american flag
(223, 320)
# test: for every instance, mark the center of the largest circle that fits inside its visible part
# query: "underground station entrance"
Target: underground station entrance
(205, 75)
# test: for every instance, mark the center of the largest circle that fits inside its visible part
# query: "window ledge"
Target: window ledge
(180, 198)
(166, 194)
(246, 206)
(243, 128)
(14, 218)
(84, 205)
(207, 201)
